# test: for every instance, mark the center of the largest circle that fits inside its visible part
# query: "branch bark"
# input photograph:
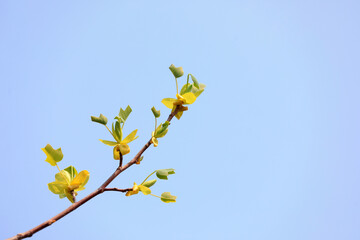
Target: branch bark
(100, 190)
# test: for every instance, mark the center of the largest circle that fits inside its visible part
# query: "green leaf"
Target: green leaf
(118, 132)
(101, 119)
(167, 197)
(124, 114)
(162, 130)
(196, 83)
(155, 112)
(52, 156)
(57, 187)
(109, 143)
(197, 92)
(72, 172)
(149, 183)
(177, 71)
(186, 88)
(63, 177)
(163, 173)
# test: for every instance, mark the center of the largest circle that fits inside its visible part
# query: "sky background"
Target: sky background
(269, 151)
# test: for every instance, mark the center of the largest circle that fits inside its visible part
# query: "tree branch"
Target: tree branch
(100, 190)
(118, 189)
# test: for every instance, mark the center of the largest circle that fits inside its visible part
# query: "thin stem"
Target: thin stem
(148, 176)
(177, 88)
(98, 191)
(121, 159)
(110, 132)
(154, 195)
(155, 125)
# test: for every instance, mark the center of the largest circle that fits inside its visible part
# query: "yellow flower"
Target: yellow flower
(185, 99)
(68, 181)
(137, 188)
(122, 145)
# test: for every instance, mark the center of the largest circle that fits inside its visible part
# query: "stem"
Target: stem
(118, 189)
(98, 191)
(154, 195)
(110, 132)
(177, 88)
(155, 125)
(121, 159)
(148, 176)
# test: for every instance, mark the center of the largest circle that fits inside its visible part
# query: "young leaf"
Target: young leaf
(63, 177)
(186, 88)
(131, 137)
(149, 183)
(177, 71)
(163, 173)
(118, 131)
(109, 143)
(124, 114)
(196, 83)
(72, 172)
(144, 190)
(197, 92)
(57, 187)
(167, 197)
(162, 130)
(139, 160)
(52, 156)
(101, 119)
(80, 180)
(155, 112)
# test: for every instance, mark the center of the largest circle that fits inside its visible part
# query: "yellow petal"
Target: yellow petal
(144, 190)
(134, 191)
(57, 187)
(69, 196)
(179, 114)
(80, 180)
(155, 141)
(131, 137)
(189, 98)
(168, 102)
(116, 152)
(124, 149)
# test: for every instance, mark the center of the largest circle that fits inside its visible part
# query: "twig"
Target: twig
(118, 189)
(100, 190)
(121, 159)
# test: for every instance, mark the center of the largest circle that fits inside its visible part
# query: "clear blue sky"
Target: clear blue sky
(269, 151)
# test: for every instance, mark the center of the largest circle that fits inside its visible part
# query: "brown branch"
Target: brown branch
(100, 190)
(121, 159)
(118, 189)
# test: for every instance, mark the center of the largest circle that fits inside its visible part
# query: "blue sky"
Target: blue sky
(269, 151)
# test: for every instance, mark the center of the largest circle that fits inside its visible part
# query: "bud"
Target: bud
(177, 71)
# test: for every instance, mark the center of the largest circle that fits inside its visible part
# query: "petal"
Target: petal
(189, 98)
(57, 187)
(144, 190)
(131, 137)
(168, 102)
(80, 180)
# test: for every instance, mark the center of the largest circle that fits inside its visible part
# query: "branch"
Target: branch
(100, 190)
(118, 189)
